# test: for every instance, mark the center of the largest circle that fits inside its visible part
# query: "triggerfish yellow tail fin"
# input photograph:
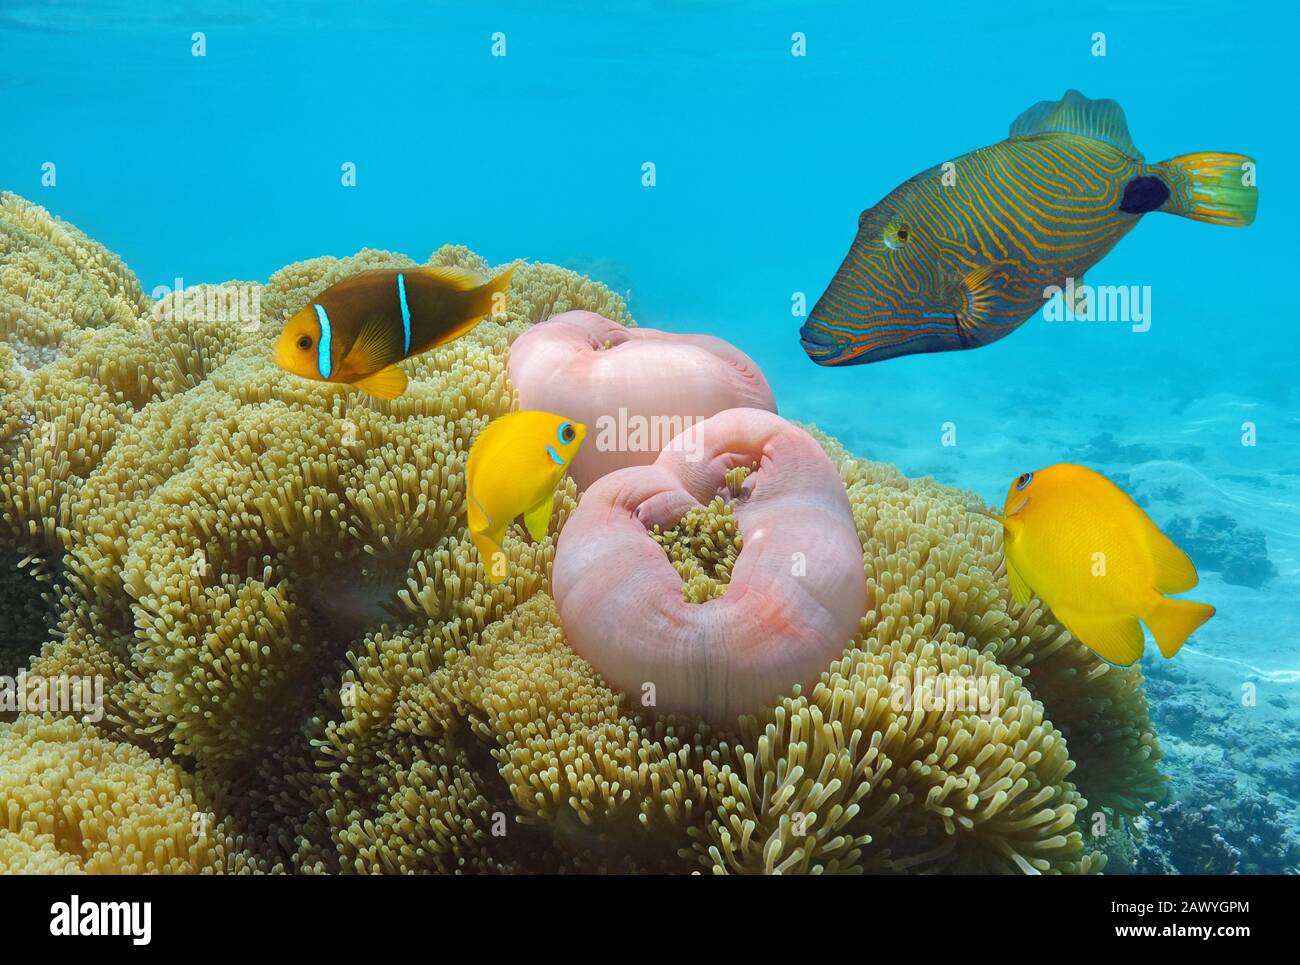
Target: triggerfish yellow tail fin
(1173, 621)
(1211, 186)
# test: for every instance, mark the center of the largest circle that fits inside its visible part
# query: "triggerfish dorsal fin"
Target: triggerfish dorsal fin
(1076, 114)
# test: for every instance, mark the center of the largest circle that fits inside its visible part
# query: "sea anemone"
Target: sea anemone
(635, 388)
(796, 590)
(180, 517)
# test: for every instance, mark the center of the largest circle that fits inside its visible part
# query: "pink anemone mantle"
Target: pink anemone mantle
(797, 590)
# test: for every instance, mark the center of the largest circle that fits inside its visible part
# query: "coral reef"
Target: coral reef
(1236, 775)
(1244, 835)
(305, 671)
(1215, 541)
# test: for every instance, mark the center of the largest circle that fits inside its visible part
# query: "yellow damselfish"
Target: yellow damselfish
(1088, 551)
(513, 468)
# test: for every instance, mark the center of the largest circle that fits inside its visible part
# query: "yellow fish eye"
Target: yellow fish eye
(567, 433)
(1024, 480)
(897, 235)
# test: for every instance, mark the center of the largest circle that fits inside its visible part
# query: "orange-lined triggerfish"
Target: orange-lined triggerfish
(355, 332)
(962, 254)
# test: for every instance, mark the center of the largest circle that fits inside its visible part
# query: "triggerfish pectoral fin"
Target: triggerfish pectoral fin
(978, 298)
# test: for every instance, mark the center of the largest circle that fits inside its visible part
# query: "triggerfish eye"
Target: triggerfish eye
(567, 433)
(897, 235)
(1024, 480)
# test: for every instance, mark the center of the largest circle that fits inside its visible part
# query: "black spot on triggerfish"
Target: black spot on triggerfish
(1144, 194)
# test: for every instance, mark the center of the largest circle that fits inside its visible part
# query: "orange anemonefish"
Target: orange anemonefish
(355, 332)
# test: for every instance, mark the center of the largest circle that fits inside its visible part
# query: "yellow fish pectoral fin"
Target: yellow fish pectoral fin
(387, 383)
(1117, 640)
(1173, 621)
(495, 562)
(538, 519)
(1019, 588)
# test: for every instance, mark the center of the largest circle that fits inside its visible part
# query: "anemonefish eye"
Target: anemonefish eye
(304, 342)
(567, 432)
(897, 235)
(1024, 480)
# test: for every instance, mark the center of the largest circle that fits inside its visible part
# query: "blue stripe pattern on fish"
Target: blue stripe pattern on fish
(324, 353)
(962, 254)
(406, 313)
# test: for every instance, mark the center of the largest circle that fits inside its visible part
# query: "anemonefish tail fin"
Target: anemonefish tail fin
(1211, 186)
(1173, 621)
(494, 291)
(387, 383)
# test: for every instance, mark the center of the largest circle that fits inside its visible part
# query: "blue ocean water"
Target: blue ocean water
(228, 166)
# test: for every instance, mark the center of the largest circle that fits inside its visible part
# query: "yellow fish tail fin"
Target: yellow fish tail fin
(1117, 640)
(387, 383)
(1173, 621)
(1211, 186)
(495, 562)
